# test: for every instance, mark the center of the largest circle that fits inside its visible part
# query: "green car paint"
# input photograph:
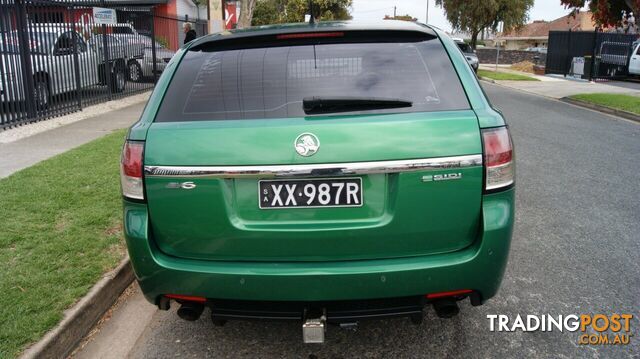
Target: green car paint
(479, 266)
(411, 237)
(393, 203)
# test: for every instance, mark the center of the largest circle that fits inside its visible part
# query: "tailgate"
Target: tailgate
(416, 199)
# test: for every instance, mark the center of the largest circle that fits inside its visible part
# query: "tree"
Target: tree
(267, 12)
(605, 12)
(246, 13)
(401, 17)
(284, 11)
(473, 16)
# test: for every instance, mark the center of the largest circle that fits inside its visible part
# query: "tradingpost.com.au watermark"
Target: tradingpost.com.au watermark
(596, 329)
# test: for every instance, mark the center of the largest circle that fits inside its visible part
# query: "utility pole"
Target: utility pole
(394, 12)
(312, 21)
(498, 47)
(216, 16)
(497, 54)
(426, 21)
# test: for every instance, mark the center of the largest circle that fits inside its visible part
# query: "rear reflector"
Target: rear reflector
(452, 293)
(131, 170)
(189, 298)
(498, 158)
(309, 35)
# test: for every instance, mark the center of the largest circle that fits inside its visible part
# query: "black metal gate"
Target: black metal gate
(606, 55)
(55, 59)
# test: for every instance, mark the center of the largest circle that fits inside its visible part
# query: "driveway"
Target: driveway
(557, 86)
(576, 250)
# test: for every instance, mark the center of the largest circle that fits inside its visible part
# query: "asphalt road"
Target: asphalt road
(576, 249)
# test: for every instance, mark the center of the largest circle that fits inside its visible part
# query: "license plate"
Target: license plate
(310, 193)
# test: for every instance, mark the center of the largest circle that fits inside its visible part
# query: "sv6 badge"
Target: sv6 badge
(183, 185)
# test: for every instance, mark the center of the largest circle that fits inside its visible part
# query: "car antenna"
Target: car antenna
(312, 21)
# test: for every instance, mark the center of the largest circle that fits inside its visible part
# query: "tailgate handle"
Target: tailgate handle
(315, 170)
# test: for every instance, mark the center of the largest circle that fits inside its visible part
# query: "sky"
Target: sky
(376, 9)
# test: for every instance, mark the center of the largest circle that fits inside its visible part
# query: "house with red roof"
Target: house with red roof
(536, 34)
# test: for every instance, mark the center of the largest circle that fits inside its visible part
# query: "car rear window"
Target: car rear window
(271, 82)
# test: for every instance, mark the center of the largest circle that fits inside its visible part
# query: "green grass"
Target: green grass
(502, 76)
(60, 230)
(616, 101)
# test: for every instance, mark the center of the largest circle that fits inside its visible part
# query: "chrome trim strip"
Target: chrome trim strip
(315, 170)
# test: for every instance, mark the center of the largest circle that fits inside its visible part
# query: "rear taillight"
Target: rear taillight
(498, 158)
(131, 170)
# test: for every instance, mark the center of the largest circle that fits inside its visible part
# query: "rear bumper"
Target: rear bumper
(479, 267)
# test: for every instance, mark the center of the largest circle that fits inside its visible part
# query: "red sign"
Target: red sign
(230, 16)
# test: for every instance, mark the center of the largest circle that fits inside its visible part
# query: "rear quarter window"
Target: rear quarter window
(272, 82)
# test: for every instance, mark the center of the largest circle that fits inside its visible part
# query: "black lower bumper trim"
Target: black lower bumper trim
(336, 311)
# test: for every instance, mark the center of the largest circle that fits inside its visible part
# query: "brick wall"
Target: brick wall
(488, 56)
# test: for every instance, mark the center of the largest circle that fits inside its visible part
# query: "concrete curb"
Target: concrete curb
(79, 319)
(487, 79)
(603, 109)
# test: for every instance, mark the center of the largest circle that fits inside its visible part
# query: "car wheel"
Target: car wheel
(135, 71)
(42, 95)
(118, 78)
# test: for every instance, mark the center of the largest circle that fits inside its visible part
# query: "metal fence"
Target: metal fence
(605, 55)
(54, 58)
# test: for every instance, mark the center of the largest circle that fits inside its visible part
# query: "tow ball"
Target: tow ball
(314, 326)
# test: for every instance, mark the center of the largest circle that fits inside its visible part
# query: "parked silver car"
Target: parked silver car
(134, 44)
(140, 68)
(634, 60)
(139, 51)
(52, 49)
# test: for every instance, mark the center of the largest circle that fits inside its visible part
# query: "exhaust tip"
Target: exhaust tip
(446, 308)
(190, 311)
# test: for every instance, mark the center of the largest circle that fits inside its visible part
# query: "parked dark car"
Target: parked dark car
(469, 54)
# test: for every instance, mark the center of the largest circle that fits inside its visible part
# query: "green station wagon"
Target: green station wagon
(322, 173)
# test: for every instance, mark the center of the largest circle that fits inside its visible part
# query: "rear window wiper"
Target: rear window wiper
(320, 105)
